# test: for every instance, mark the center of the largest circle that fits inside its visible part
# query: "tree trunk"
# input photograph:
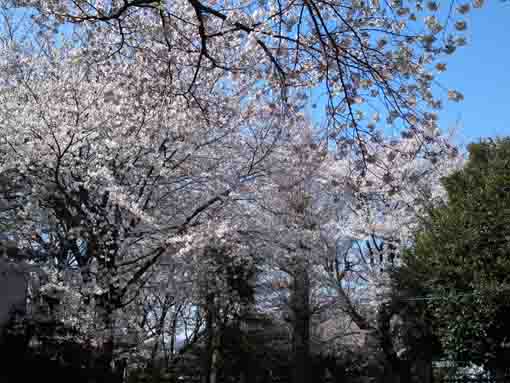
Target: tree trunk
(300, 305)
(422, 372)
(209, 374)
(107, 352)
(213, 372)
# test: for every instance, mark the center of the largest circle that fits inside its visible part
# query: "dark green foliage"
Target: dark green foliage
(48, 352)
(461, 260)
(418, 329)
(257, 349)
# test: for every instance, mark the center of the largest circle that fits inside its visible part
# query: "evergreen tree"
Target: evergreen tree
(462, 259)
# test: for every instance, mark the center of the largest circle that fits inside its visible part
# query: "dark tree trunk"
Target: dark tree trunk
(209, 374)
(422, 370)
(300, 305)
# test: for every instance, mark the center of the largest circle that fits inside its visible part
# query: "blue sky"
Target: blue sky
(481, 71)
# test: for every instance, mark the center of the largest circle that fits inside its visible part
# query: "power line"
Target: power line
(448, 297)
(505, 289)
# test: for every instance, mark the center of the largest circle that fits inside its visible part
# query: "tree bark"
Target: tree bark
(300, 305)
(209, 374)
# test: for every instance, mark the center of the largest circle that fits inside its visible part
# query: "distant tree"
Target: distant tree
(461, 259)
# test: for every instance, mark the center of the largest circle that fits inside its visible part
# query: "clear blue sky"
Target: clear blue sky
(481, 71)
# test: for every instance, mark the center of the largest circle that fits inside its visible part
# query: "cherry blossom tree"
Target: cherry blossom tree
(332, 229)
(119, 170)
(144, 130)
(365, 57)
